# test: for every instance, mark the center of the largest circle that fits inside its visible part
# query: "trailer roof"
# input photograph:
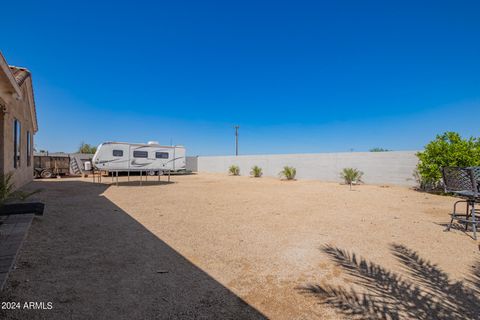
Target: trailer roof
(143, 144)
(63, 154)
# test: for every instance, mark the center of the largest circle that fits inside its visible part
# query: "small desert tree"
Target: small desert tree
(86, 148)
(351, 176)
(448, 149)
(288, 173)
(256, 172)
(234, 170)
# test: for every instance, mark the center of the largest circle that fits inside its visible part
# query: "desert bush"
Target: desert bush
(7, 190)
(256, 172)
(288, 173)
(448, 149)
(234, 170)
(351, 175)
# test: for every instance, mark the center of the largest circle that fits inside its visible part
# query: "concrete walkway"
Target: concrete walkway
(13, 229)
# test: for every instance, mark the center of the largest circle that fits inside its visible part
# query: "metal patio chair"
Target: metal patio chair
(464, 182)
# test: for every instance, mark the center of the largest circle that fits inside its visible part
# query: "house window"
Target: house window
(16, 143)
(118, 153)
(29, 149)
(140, 154)
(161, 155)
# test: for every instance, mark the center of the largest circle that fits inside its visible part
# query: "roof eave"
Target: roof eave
(6, 70)
(33, 106)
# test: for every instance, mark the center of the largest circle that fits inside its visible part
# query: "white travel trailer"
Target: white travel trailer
(150, 157)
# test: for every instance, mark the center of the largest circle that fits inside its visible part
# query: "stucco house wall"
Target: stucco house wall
(16, 103)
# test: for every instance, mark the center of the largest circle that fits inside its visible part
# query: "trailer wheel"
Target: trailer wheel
(46, 174)
(151, 172)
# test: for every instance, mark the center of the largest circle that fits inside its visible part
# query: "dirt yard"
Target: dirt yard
(221, 247)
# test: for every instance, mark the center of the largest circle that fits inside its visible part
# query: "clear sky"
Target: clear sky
(297, 76)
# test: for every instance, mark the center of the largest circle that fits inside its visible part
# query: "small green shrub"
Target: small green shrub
(377, 149)
(351, 175)
(448, 149)
(7, 192)
(234, 170)
(288, 173)
(256, 172)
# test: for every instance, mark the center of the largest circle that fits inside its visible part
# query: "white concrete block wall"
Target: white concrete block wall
(394, 167)
(191, 163)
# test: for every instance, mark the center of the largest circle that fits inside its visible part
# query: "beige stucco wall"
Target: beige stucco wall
(16, 108)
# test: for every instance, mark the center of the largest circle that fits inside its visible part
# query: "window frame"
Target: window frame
(115, 153)
(29, 148)
(157, 153)
(17, 137)
(137, 152)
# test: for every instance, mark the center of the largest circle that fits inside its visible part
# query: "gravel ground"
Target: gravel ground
(216, 246)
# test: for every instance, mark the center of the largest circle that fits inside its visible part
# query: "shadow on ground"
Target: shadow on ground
(465, 229)
(92, 260)
(137, 183)
(426, 293)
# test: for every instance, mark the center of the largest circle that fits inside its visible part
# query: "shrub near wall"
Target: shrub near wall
(351, 176)
(256, 172)
(234, 170)
(448, 149)
(288, 173)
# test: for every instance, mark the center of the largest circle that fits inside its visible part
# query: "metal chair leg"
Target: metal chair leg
(467, 215)
(451, 222)
(474, 221)
(453, 215)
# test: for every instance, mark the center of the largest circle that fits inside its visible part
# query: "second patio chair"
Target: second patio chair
(463, 182)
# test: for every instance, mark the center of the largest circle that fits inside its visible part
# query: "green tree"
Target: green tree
(448, 149)
(377, 149)
(86, 148)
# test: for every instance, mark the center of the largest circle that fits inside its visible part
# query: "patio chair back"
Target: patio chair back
(461, 180)
(476, 174)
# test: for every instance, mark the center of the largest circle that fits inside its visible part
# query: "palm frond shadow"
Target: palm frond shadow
(425, 293)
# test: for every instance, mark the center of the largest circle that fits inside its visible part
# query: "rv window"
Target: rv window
(118, 153)
(140, 154)
(161, 155)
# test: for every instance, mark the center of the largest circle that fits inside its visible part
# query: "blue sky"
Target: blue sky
(297, 76)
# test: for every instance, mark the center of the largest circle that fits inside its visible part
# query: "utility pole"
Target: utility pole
(236, 139)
